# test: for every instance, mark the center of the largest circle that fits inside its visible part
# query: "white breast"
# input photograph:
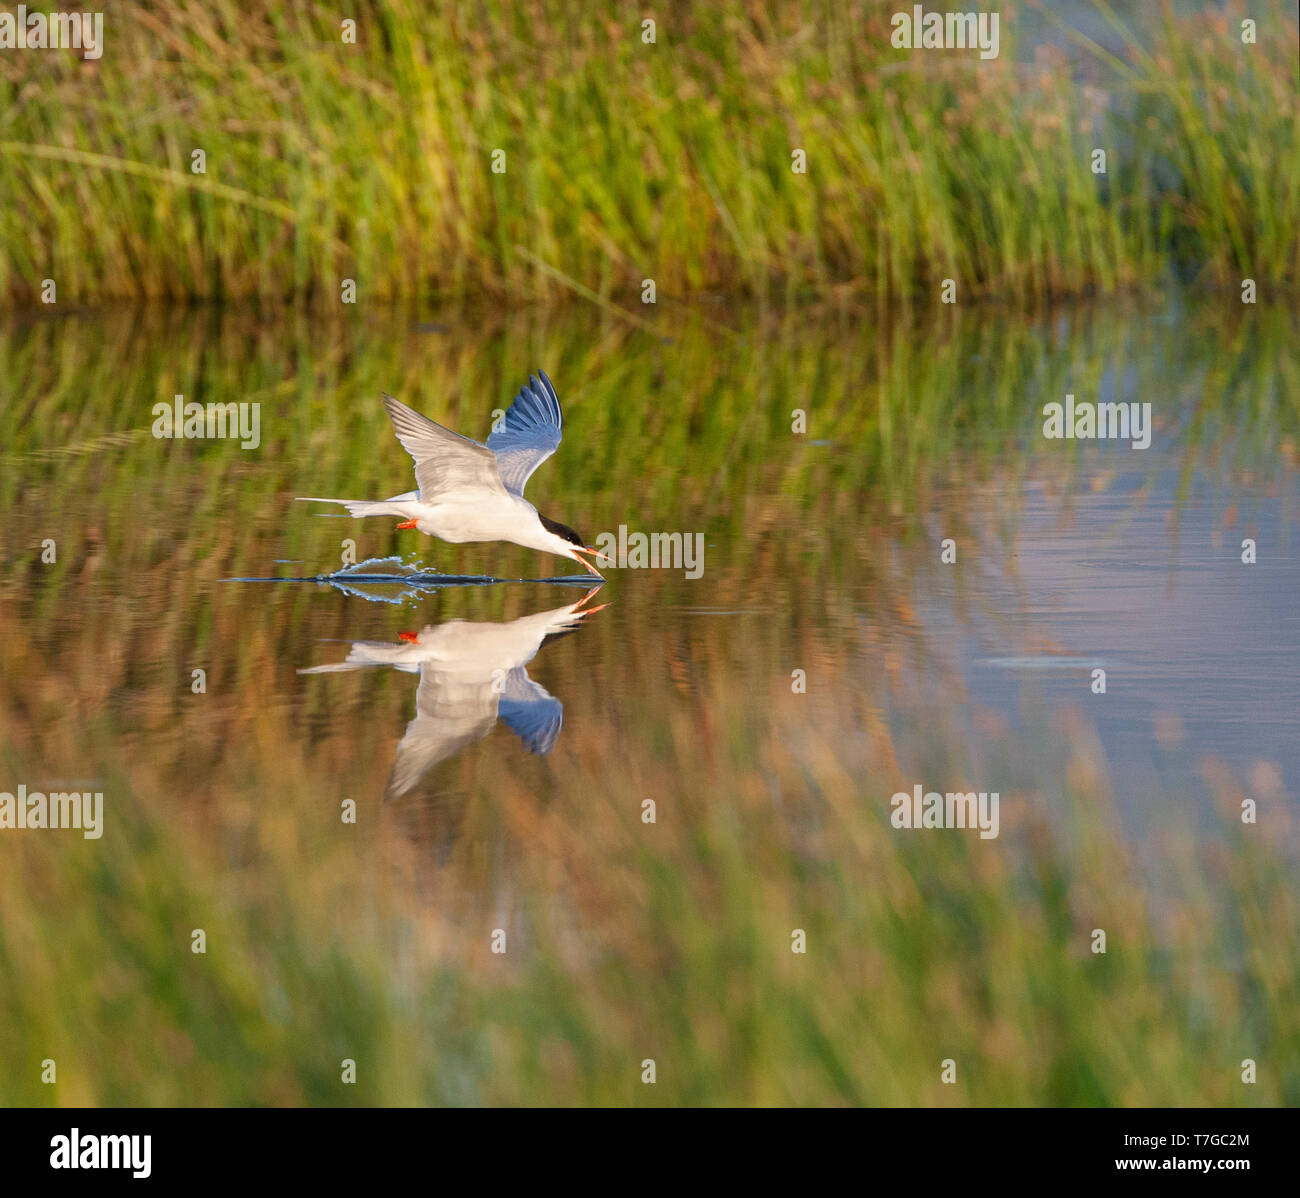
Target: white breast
(485, 517)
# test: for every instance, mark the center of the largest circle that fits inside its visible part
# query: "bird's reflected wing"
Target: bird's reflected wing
(444, 461)
(531, 432)
(449, 716)
(531, 712)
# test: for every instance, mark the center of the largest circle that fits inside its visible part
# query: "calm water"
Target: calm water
(822, 552)
(356, 779)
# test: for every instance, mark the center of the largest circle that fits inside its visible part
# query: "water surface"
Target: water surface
(455, 714)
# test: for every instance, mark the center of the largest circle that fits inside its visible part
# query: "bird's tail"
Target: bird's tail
(360, 507)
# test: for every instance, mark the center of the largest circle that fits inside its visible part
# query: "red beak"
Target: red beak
(577, 549)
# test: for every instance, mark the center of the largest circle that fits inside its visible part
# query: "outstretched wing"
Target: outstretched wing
(530, 434)
(444, 461)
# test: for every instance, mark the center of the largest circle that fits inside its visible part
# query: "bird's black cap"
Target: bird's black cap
(561, 530)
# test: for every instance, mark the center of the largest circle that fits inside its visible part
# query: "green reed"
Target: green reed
(626, 161)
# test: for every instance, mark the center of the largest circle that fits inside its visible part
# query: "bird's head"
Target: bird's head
(574, 544)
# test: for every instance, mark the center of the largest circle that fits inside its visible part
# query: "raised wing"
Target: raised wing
(530, 434)
(444, 461)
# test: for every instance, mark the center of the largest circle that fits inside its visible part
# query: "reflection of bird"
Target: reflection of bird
(472, 492)
(471, 675)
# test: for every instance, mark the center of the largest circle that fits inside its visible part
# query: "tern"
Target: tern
(467, 491)
(471, 675)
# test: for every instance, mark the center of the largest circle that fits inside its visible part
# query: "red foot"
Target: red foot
(407, 524)
(409, 637)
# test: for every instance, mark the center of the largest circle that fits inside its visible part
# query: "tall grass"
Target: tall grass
(628, 161)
